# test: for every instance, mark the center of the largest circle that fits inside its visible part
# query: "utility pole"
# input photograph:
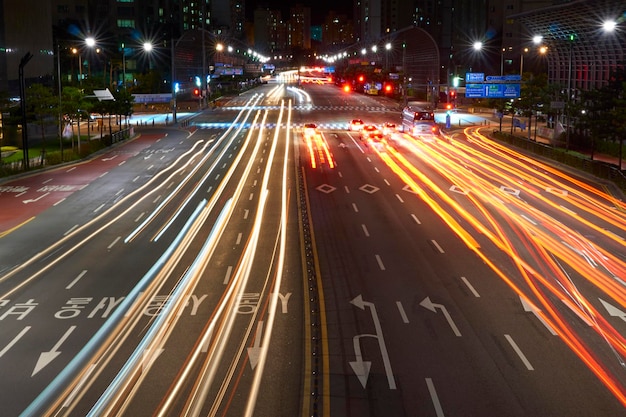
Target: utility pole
(27, 57)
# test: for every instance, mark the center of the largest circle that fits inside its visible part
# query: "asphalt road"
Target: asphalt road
(240, 268)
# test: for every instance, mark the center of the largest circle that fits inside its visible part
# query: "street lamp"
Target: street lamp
(387, 49)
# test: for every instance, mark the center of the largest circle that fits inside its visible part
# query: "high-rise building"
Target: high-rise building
(17, 38)
(270, 31)
(299, 27)
(337, 32)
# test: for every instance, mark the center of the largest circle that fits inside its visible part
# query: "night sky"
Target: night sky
(319, 8)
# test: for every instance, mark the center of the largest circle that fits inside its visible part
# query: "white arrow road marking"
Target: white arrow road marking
(528, 307)
(14, 341)
(426, 303)
(360, 367)
(612, 310)
(358, 302)
(32, 200)
(46, 357)
(255, 351)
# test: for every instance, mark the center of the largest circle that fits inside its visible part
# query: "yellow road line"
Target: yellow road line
(6, 232)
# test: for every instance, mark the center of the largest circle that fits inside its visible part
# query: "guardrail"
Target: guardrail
(597, 168)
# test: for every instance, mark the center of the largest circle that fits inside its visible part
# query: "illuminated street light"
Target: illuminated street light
(478, 45)
(147, 46)
(609, 25)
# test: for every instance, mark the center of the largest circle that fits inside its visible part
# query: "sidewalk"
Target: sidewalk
(463, 119)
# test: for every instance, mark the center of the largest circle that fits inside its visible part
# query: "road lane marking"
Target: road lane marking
(387, 182)
(71, 230)
(519, 352)
(429, 305)
(239, 238)
(98, 208)
(71, 284)
(434, 397)
(439, 248)
(365, 231)
(229, 271)
(529, 307)
(14, 341)
(284, 300)
(471, 288)
(405, 319)
(416, 219)
(114, 242)
(399, 198)
(380, 262)
(356, 209)
(47, 357)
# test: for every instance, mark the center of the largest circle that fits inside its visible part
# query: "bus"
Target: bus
(418, 121)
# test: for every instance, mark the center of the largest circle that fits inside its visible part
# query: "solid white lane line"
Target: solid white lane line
(434, 397)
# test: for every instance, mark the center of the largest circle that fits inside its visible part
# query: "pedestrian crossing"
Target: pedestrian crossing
(310, 107)
(226, 125)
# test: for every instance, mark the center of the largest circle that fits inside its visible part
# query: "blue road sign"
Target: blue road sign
(492, 90)
(474, 77)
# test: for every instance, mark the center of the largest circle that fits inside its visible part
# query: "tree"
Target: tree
(42, 107)
(533, 95)
(73, 107)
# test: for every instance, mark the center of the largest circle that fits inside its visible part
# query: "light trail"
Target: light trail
(510, 202)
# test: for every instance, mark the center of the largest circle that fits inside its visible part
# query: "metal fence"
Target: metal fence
(599, 169)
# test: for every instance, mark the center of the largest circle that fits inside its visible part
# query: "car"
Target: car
(376, 136)
(389, 128)
(367, 129)
(310, 129)
(356, 125)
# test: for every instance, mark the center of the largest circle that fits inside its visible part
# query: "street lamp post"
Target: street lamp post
(387, 49)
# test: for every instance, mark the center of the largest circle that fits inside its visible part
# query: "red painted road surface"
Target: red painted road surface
(24, 198)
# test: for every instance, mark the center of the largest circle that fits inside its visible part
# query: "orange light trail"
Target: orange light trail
(513, 202)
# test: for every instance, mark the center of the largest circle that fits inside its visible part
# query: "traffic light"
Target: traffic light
(196, 92)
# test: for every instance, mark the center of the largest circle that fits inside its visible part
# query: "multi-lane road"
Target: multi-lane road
(239, 268)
